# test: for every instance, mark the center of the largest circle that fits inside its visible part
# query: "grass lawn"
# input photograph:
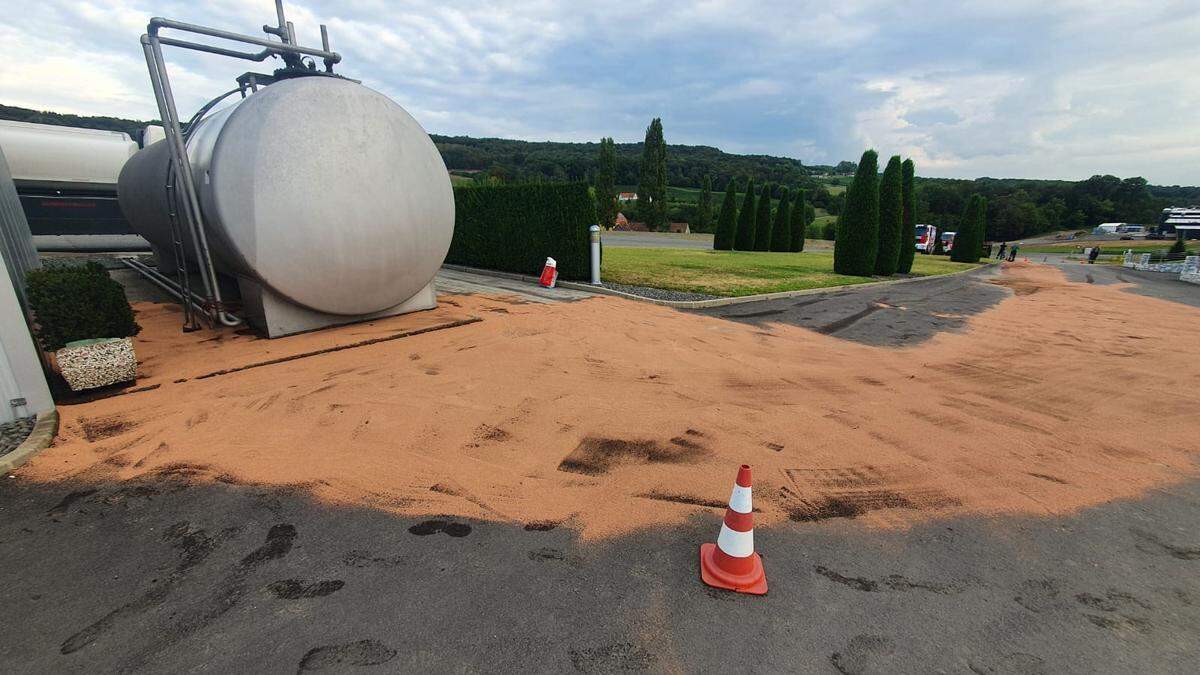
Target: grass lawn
(734, 273)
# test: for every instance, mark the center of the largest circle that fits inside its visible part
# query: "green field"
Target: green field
(735, 273)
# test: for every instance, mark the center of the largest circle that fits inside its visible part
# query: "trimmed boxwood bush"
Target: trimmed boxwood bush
(514, 228)
(891, 218)
(78, 302)
(781, 231)
(762, 220)
(968, 243)
(727, 221)
(857, 243)
(908, 228)
(799, 222)
(743, 240)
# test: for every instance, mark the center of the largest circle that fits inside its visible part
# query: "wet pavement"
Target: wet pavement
(907, 314)
(887, 316)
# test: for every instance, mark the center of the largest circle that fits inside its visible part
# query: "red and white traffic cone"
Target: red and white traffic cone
(549, 274)
(731, 563)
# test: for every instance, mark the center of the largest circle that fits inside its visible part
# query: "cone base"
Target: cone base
(753, 582)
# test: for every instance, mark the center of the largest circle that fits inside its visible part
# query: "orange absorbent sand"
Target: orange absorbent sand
(608, 415)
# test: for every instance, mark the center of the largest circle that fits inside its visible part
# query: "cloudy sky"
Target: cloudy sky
(1003, 88)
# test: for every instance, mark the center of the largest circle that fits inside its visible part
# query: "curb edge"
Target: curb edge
(44, 431)
(715, 302)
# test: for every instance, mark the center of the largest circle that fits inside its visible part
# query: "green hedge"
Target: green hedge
(514, 228)
(78, 302)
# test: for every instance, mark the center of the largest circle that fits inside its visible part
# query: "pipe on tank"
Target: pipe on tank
(194, 219)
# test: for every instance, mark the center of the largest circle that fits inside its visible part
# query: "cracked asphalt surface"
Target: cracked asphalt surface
(174, 574)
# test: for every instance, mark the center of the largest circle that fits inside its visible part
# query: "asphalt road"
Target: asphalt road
(177, 575)
(172, 576)
(1151, 284)
(658, 240)
(894, 315)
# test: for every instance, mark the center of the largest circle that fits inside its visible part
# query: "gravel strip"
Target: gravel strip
(657, 293)
(14, 433)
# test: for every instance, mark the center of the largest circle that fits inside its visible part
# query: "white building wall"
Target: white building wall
(21, 375)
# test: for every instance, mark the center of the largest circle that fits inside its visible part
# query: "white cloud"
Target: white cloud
(1039, 88)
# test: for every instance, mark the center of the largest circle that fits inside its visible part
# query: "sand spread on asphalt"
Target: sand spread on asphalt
(608, 415)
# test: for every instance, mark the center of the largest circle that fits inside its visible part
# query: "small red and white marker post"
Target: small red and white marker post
(731, 563)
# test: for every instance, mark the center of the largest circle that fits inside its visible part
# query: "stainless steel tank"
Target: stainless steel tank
(325, 193)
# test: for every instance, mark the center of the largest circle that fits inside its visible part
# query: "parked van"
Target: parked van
(948, 241)
(926, 238)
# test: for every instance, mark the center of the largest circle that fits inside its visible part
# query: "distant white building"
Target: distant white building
(1118, 228)
(1184, 220)
(627, 197)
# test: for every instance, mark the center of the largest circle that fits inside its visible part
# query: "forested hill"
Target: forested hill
(131, 127)
(1016, 207)
(524, 160)
(686, 164)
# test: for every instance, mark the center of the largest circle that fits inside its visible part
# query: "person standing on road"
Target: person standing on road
(1003, 247)
(1012, 252)
(1093, 254)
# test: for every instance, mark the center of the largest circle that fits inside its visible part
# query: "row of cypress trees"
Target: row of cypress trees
(753, 228)
(876, 230)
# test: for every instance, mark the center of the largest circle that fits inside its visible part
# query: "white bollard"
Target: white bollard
(595, 236)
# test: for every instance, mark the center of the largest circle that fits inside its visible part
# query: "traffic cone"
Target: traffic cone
(731, 563)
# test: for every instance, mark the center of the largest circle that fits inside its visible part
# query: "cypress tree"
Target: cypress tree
(799, 229)
(744, 241)
(908, 226)
(606, 191)
(781, 231)
(727, 220)
(704, 208)
(652, 181)
(891, 216)
(857, 240)
(762, 220)
(968, 243)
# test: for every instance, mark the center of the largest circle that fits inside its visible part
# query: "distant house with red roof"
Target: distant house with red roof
(679, 228)
(627, 197)
(623, 225)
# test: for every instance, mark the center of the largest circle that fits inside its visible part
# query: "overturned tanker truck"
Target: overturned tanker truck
(308, 201)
